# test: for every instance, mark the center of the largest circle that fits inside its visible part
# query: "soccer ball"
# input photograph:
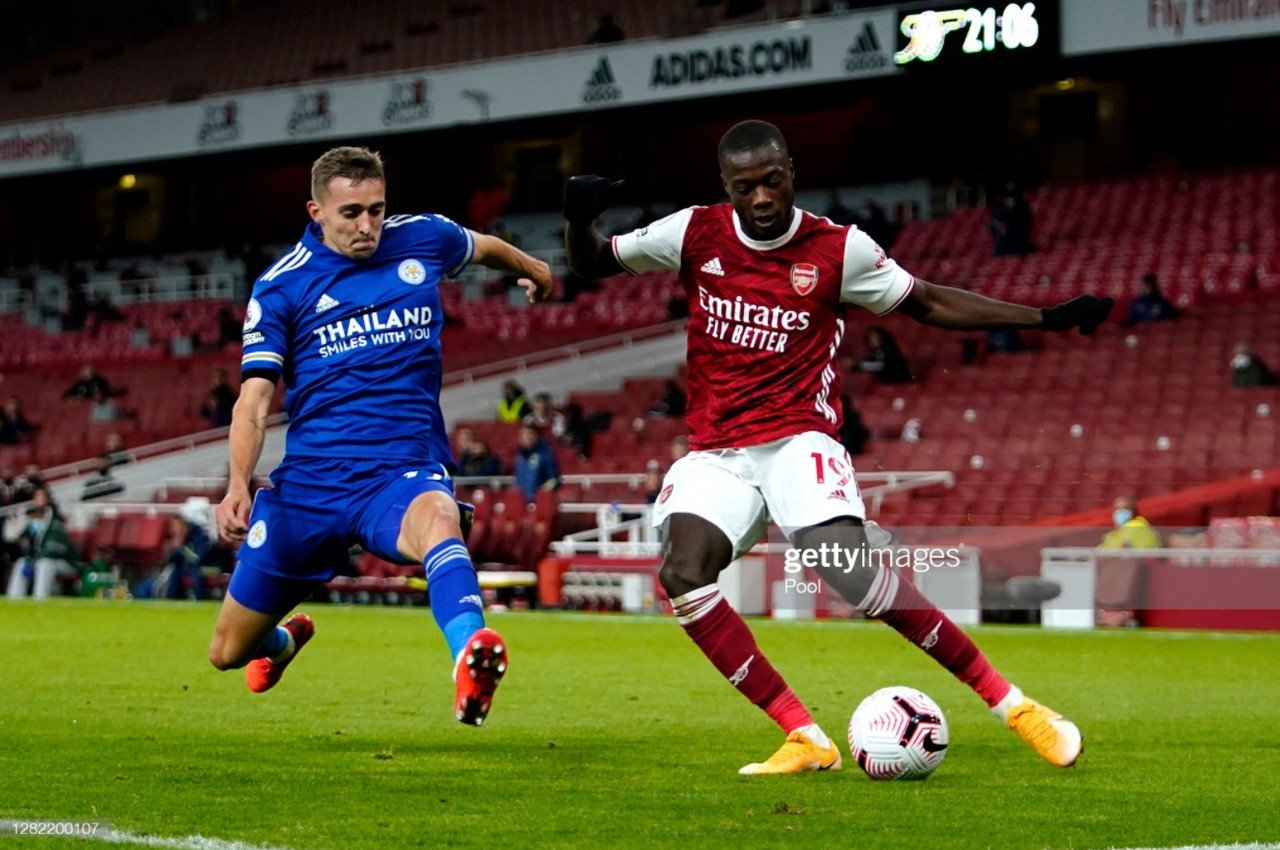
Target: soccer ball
(898, 733)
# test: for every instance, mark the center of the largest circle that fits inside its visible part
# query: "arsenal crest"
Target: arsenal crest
(804, 277)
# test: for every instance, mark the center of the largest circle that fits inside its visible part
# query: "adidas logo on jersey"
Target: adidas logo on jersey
(838, 495)
(601, 86)
(712, 266)
(326, 303)
(865, 52)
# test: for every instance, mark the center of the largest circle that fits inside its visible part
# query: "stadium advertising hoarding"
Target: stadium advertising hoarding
(1099, 26)
(777, 55)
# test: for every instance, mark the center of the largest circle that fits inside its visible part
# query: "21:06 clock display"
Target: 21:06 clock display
(979, 30)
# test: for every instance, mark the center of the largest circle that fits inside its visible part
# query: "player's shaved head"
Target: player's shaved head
(354, 164)
(758, 176)
(751, 136)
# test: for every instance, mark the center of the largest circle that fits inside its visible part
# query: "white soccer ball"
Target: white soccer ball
(898, 733)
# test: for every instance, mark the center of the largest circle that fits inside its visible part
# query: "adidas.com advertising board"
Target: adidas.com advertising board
(776, 55)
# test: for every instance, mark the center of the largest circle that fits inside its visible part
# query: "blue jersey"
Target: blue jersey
(358, 341)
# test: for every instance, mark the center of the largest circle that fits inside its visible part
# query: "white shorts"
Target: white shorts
(797, 482)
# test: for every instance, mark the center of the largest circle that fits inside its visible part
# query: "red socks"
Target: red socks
(723, 636)
(901, 606)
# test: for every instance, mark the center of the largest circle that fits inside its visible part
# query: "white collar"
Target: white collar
(796, 216)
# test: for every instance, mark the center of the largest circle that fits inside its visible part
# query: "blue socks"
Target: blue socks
(273, 644)
(456, 602)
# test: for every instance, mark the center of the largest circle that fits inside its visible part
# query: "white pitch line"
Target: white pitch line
(1253, 846)
(191, 842)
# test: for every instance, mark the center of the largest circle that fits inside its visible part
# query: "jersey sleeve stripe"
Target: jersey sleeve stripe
(261, 358)
(296, 262)
(613, 244)
(297, 249)
(466, 258)
(398, 220)
(911, 284)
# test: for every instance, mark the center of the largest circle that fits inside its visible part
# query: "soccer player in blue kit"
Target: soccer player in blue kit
(350, 318)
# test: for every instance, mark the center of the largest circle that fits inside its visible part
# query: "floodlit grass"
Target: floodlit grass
(614, 730)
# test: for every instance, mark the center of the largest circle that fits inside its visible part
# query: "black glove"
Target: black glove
(1085, 312)
(588, 195)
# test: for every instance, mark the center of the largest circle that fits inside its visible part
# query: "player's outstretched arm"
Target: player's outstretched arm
(535, 274)
(248, 432)
(589, 253)
(956, 309)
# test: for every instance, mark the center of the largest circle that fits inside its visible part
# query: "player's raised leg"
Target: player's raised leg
(696, 553)
(878, 592)
(430, 533)
(252, 639)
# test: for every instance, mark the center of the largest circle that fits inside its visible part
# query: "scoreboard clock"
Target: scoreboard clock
(928, 34)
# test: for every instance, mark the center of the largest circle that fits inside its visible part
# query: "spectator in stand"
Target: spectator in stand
(544, 416)
(88, 382)
(853, 431)
(1248, 369)
(1150, 305)
(462, 443)
(514, 406)
(536, 465)
(230, 328)
(836, 211)
(671, 402)
(187, 546)
(479, 461)
(220, 401)
(652, 481)
(1011, 223)
(26, 484)
(46, 548)
(102, 408)
(139, 336)
(114, 451)
(1003, 341)
(101, 483)
(575, 434)
(884, 358)
(607, 31)
(8, 481)
(872, 220)
(1132, 530)
(14, 427)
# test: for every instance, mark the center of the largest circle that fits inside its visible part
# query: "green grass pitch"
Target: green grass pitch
(613, 730)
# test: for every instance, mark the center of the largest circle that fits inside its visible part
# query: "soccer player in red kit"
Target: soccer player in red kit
(769, 287)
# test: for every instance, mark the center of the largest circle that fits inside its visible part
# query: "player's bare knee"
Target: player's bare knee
(682, 572)
(219, 659)
(224, 655)
(425, 525)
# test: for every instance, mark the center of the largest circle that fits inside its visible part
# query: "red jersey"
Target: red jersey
(765, 318)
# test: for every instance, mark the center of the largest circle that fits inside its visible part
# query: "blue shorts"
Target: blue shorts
(301, 529)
